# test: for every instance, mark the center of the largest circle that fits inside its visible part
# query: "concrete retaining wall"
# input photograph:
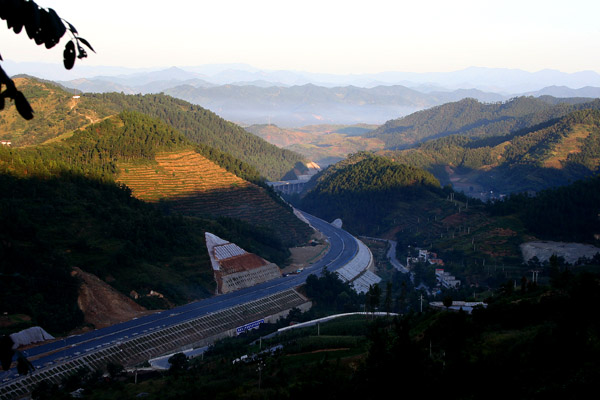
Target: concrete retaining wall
(132, 350)
(240, 280)
(362, 261)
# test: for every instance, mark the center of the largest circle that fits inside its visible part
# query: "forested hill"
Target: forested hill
(206, 128)
(563, 150)
(367, 191)
(569, 213)
(57, 112)
(60, 208)
(139, 144)
(471, 118)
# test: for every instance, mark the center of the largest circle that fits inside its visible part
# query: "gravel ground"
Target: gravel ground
(570, 251)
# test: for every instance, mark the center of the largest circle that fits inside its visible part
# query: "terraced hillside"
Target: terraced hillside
(58, 114)
(205, 128)
(187, 182)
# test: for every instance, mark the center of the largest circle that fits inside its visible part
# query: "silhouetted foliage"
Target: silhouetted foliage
(6, 351)
(44, 27)
(178, 363)
(330, 295)
(533, 345)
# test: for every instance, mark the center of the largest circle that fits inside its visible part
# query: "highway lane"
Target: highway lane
(342, 248)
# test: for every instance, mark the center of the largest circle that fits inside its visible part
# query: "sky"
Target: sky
(328, 36)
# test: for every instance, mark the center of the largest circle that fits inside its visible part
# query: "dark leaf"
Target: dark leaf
(53, 24)
(46, 32)
(82, 40)
(14, 15)
(71, 27)
(69, 55)
(17, 27)
(32, 20)
(23, 106)
(81, 52)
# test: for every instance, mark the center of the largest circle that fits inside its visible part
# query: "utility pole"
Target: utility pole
(260, 368)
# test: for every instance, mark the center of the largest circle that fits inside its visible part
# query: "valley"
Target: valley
(290, 201)
(113, 203)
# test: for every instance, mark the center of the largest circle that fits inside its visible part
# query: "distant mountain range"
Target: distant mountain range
(248, 95)
(257, 102)
(501, 80)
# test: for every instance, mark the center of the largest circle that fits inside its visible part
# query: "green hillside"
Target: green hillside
(561, 151)
(61, 208)
(568, 213)
(58, 113)
(369, 192)
(203, 127)
(471, 118)
(478, 243)
(55, 113)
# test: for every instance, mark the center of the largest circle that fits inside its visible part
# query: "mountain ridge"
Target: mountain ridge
(483, 78)
(552, 153)
(58, 112)
(470, 117)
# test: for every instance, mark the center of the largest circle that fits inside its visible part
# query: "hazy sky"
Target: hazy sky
(329, 36)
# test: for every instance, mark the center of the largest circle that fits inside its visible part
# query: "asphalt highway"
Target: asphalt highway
(342, 248)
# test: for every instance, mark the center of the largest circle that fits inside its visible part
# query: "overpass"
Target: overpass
(288, 187)
(194, 324)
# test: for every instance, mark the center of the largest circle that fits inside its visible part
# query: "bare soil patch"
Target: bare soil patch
(102, 305)
(303, 256)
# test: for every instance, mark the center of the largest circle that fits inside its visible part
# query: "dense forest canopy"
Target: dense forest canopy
(569, 213)
(365, 189)
(551, 154)
(225, 143)
(471, 118)
(95, 150)
(205, 128)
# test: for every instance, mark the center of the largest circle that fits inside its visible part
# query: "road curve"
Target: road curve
(342, 248)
